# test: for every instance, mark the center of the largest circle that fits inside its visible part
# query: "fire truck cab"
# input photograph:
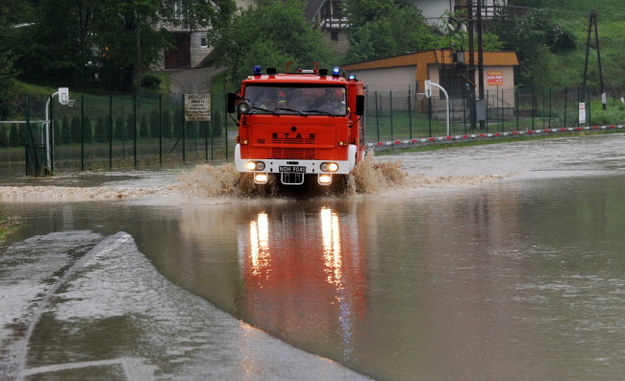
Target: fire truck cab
(297, 125)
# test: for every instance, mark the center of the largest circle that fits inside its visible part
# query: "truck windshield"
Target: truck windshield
(301, 100)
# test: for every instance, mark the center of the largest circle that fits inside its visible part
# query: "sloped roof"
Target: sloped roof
(438, 56)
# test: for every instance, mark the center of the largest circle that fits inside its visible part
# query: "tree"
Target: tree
(74, 40)
(271, 34)
(8, 89)
(535, 39)
(381, 28)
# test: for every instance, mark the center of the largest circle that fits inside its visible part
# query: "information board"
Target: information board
(197, 107)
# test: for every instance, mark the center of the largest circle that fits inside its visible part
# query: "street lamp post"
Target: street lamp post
(63, 94)
(428, 93)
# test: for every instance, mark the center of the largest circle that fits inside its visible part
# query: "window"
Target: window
(334, 35)
(203, 42)
(301, 99)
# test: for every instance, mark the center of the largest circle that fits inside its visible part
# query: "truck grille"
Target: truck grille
(298, 140)
(293, 153)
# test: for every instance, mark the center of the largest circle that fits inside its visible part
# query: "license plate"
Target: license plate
(291, 169)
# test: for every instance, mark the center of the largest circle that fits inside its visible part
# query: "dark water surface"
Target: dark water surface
(518, 279)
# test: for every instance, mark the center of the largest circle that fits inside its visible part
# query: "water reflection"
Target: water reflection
(303, 279)
(259, 245)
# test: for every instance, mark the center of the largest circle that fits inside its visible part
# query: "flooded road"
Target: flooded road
(490, 262)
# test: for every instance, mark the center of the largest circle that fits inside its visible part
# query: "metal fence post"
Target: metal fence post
(184, 133)
(566, 93)
(160, 129)
(391, 111)
(533, 106)
(430, 115)
(549, 108)
(134, 128)
(110, 132)
(377, 115)
(409, 112)
(82, 132)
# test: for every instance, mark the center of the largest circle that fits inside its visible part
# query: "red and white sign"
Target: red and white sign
(494, 77)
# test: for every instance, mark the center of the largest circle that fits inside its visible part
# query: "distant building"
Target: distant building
(191, 46)
(327, 15)
(432, 10)
(408, 72)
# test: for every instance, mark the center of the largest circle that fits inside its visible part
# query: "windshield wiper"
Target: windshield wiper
(320, 112)
(264, 109)
(291, 109)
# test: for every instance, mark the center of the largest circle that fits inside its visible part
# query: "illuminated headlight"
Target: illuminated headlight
(325, 179)
(329, 167)
(260, 178)
(255, 165)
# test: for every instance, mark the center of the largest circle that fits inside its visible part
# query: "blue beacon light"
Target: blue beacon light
(336, 71)
(257, 70)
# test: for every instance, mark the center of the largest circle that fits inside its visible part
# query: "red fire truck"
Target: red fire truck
(298, 126)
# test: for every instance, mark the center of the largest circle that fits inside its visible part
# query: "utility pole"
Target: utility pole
(592, 24)
(480, 59)
(472, 114)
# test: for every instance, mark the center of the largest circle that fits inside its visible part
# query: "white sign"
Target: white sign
(582, 113)
(428, 88)
(197, 107)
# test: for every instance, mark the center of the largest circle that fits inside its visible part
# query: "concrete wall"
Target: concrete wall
(198, 52)
(391, 79)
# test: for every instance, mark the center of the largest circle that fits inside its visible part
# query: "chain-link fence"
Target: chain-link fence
(125, 131)
(115, 132)
(395, 115)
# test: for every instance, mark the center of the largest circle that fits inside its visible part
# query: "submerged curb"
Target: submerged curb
(485, 136)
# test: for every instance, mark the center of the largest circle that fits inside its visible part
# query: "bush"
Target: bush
(150, 83)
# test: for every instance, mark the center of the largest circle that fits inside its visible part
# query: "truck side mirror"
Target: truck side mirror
(231, 98)
(360, 105)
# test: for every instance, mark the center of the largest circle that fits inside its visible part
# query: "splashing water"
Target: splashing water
(208, 181)
(371, 176)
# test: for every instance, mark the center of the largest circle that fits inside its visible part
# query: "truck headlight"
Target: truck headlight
(329, 167)
(255, 165)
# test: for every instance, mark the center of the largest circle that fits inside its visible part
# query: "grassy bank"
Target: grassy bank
(499, 140)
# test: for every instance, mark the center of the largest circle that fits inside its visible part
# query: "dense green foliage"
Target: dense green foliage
(271, 34)
(73, 42)
(384, 28)
(104, 43)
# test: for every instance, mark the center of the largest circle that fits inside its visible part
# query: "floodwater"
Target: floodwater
(489, 262)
